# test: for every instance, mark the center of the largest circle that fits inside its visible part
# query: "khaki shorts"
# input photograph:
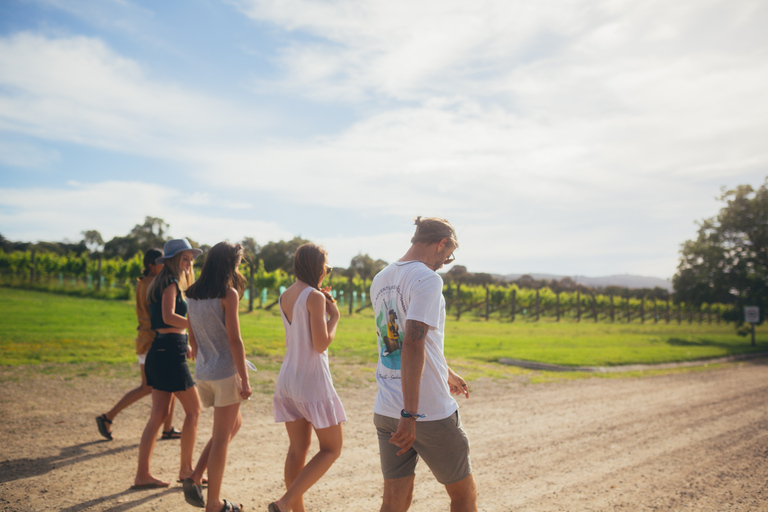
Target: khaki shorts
(220, 393)
(442, 444)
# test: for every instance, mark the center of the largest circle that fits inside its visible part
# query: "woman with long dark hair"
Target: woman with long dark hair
(220, 370)
(305, 398)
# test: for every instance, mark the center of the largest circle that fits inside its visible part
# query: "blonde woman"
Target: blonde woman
(166, 364)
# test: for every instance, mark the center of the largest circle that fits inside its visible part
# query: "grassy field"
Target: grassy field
(46, 328)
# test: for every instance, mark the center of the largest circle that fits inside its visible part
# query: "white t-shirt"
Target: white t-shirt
(409, 290)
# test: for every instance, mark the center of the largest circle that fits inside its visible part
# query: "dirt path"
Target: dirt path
(688, 441)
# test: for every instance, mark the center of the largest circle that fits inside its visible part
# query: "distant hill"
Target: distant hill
(624, 280)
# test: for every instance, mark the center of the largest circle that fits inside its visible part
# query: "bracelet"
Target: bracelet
(406, 414)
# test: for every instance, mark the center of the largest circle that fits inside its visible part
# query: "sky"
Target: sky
(568, 137)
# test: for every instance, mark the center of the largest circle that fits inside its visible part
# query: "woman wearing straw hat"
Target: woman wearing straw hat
(166, 364)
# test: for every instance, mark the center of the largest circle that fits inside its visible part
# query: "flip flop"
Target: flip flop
(151, 485)
(101, 422)
(193, 493)
(174, 433)
(231, 507)
(273, 507)
(205, 481)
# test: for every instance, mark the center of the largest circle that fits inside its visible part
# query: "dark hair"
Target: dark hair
(219, 273)
(308, 264)
(430, 230)
(149, 259)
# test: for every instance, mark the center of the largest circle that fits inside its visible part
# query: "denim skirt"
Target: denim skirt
(166, 365)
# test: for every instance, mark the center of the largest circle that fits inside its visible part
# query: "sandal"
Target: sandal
(174, 433)
(273, 507)
(193, 493)
(231, 507)
(102, 422)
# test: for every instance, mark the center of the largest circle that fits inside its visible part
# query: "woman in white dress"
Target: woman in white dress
(305, 398)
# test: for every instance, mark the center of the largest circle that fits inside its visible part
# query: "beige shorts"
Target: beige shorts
(442, 444)
(220, 393)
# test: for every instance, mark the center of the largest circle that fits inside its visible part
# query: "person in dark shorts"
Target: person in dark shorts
(166, 364)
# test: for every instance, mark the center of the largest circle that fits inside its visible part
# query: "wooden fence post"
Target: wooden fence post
(538, 309)
(642, 310)
(514, 305)
(655, 311)
(578, 305)
(98, 278)
(613, 312)
(594, 306)
(34, 266)
(557, 305)
(487, 302)
(351, 285)
(629, 312)
(458, 301)
(667, 315)
(250, 288)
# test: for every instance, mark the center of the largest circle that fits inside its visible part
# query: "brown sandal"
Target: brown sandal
(102, 422)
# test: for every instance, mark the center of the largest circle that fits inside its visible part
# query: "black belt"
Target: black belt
(171, 336)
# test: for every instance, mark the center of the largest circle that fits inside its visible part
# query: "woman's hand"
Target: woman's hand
(245, 389)
(331, 307)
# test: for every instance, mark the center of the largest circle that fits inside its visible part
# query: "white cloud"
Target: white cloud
(113, 208)
(76, 89)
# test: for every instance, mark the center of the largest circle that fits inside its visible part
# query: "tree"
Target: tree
(365, 267)
(280, 254)
(727, 262)
(152, 233)
(93, 240)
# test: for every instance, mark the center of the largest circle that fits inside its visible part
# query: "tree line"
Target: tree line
(722, 270)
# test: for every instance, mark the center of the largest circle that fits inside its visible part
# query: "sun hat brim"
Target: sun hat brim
(174, 247)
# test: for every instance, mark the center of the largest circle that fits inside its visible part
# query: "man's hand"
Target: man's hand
(405, 435)
(457, 384)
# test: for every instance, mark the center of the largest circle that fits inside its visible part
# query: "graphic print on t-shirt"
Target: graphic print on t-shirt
(389, 334)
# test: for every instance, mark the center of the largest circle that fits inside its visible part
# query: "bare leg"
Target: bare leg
(398, 493)
(299, 438)
(168, 425)
(226, 422)
(330, 440)
(463, 495)
(160, 403)
(202, 462)
(190, 401)
(130, 397)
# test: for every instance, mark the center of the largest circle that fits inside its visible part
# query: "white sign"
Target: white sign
(752, 314)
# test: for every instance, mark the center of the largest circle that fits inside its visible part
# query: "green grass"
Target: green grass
(40, 328)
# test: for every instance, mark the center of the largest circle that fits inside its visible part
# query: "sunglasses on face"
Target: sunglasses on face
(450, 259)
(328, 269)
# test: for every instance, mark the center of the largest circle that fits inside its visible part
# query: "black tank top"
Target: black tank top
(156, 308)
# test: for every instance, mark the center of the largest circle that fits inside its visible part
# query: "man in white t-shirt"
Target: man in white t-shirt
(415, 414)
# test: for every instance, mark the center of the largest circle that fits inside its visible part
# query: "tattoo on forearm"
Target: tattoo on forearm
(415, 330)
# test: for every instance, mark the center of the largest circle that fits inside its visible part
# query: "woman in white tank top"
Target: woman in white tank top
(305, 398)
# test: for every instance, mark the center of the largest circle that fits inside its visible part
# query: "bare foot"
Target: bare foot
(149, 483)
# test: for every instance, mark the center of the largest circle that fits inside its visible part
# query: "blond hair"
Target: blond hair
(431, 230)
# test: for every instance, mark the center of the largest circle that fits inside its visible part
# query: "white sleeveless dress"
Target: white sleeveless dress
(304, 386)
